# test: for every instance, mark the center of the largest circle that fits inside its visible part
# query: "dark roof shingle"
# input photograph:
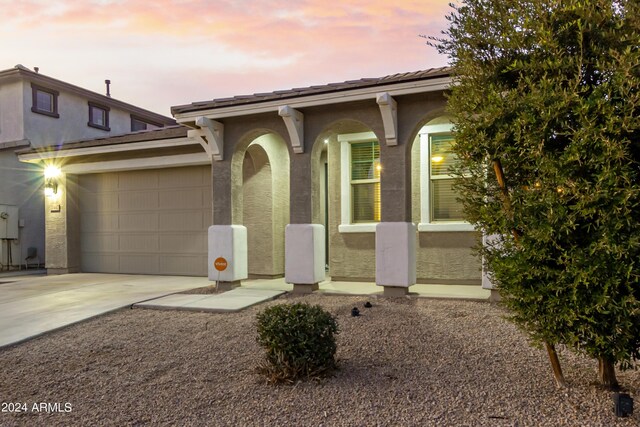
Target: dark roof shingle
(311, 90)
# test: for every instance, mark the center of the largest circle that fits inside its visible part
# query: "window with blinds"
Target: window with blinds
(365, 182)
(444, 206)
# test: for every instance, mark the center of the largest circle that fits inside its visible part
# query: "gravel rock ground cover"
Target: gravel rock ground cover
(404, 362)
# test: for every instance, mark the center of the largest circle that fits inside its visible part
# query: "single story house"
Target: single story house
(348, 180)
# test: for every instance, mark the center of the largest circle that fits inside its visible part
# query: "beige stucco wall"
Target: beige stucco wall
(258, 210)
(352, 256)
(447, 257)
(265, 200)
(442, 257)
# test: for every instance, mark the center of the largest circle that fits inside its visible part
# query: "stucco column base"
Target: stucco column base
(228, 245)
(227, 286)
(56, 271)
(495, 296)
(396, 257)
(304, 288)
(395, 291)
(486, 280)
(304, 254)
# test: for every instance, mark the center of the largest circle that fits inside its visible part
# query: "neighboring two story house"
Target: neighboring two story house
(38, 111)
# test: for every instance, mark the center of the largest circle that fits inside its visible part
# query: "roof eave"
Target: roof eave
(187, 113)
(15, 74)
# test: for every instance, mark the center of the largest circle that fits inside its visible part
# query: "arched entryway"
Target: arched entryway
(350, 253)
(261, 200)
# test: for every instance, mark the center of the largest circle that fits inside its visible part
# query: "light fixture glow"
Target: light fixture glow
(437, 159)
(326, 141)
(378, 167)
(51, 174)
(51, 171)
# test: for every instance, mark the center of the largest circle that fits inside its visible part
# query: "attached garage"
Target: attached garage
(146, 221)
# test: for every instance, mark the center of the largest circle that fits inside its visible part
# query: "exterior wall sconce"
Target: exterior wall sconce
(51, 174)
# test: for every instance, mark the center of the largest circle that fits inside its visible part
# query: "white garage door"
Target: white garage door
(146, 222)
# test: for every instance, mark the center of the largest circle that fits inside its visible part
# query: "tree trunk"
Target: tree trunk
(555, 365)
(607, 374)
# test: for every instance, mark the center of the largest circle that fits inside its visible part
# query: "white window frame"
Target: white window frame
(426, 223)
(346, 226)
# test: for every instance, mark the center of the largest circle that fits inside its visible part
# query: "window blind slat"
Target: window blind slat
(444, 206)
(365, 195)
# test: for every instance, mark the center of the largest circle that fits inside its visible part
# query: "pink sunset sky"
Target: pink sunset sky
(170, 52)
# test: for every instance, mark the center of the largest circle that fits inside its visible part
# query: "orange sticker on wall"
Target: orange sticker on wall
(220, 264)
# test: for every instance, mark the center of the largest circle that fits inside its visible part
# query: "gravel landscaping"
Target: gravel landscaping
(404, 362)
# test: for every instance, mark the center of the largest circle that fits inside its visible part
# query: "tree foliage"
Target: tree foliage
(550, 89)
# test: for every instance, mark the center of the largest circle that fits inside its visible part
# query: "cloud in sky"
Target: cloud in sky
(168, 52)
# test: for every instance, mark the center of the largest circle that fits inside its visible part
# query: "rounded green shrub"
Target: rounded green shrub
(299, 340)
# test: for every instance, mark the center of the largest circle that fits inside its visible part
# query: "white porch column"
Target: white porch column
(304, 262)
(395, 257)
(486, 280)
(228, 245)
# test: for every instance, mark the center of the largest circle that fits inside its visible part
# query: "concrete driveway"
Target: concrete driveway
(33, 305)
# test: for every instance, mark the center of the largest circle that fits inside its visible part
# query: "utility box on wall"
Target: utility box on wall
(8, 222)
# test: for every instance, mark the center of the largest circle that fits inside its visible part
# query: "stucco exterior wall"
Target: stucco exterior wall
(352, 256)
(265, 200)
(63, 227)
(447, 257)
(11, 112)
(258, 211)
(43, 130)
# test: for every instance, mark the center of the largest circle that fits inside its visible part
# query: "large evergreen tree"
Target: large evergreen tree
(546, 99)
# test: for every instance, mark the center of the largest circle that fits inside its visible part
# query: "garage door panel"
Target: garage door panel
(184, 243)
(182, 178)
(207, 199)
(146, 222)
(98, 202)
(138, 180)
(139, 264)
(98, 242)
(99, 262)
(181, 199)
(184, 265)
(92, 222)
(138, 200)
(100, 183)
(139, 243)
(182, 221)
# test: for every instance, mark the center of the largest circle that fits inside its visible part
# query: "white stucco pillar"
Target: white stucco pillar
(228, 252)
(395, 257)
(304, 262)
(62, 226)
(486, 280)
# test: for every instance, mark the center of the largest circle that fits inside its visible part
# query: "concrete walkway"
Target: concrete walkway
(465, 292)
(33, 305)
(226, 302)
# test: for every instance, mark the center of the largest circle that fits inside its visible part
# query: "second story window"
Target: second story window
(139, 124)
(45, 101)
(98, 116)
